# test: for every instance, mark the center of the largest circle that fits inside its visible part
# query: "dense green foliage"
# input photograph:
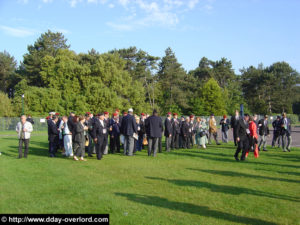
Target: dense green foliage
(55, 78)
(188, 186)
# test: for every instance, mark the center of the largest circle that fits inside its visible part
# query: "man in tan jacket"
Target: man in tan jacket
(213, 130)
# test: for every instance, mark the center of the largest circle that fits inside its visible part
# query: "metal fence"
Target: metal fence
(40, 123)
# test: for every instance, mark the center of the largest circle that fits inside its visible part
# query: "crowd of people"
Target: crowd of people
(100, 134)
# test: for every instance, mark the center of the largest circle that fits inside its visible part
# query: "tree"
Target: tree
(7, 70)
(47, 44)
(212, 98)
(6, 108)
(172, 78)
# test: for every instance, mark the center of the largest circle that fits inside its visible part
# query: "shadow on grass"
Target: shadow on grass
(282, 172)
(191, 208)
(203, 156)
(226, 189)
(238, 174)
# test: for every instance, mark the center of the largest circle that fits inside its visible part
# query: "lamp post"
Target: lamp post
(22, 104)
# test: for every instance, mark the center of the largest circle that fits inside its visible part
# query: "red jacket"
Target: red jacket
(253, 129)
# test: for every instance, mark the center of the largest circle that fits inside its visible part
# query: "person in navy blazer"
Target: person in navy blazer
(128, 128)
(115, 128)
(99, 134)
(53, 136)
(154, 127)
(168, 131)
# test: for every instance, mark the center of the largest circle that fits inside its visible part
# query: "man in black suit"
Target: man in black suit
(276, 124)
(185, 133)
(192, 131)
(242, 137)
(53, 133)
(234, 122)
(71, 125)
(129, 128)
(168, 131)
(181, 138)
(286, 131)
(115, 127)
(154, 128)
(175, 131)
(263, 128)
(99, 134)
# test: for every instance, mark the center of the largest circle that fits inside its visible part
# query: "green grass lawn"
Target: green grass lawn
(182, 187)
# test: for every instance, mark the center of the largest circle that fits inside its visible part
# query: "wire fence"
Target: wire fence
(40, 123)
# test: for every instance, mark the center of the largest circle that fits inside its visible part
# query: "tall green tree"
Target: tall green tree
(47, 44)
(8, 66)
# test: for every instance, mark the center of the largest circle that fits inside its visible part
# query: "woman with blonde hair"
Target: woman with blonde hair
(201, 130)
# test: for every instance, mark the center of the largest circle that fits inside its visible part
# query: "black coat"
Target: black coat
(52, 131)
(128, 125)
(30, 120)
(71, 124)
(285, 128)
(168, 127)
(184, 129)
(234, 122)
(99, 130)
(241, 129)
(154, 126)
(263, 129)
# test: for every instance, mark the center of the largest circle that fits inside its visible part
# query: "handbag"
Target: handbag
(87, 142)
(145, 141)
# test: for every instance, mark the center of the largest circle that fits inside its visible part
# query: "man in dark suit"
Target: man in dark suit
(71, 124)
(115, 127)
(185, 133)
(276, 124)
(154, 128)
(242, 137)
(129, 128)
(99, 134)
(263, 127)
(53, 136)
(175, 131)
(286, 131)
(168, 131)
(234, 122)
(192, 131)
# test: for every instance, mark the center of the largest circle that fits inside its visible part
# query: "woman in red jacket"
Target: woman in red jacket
(253, 137)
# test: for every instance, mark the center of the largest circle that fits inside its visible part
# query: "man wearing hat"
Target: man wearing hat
(114, 128)
(175, 131)
(224, 128)
(185, 133)
(263, 127)
(99, 134)
(168, 131)
(154, 128)
(128, 128)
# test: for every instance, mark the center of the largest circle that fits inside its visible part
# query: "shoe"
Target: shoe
(265, 150)
(289, 150)
(236, 158)
(75, 158)
(83, 160)
(218, 144)
(90, 155)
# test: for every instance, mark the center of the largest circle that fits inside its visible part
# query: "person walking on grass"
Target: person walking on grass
(24, 129)
(225, 127)
(168, 131)
(286, 130)
(242, 137)
(201, 130)
(263, 132)
(213, 130)
(79, 139)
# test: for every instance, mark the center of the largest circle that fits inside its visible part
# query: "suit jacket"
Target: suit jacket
(128, 126)
(241, 129)
(154, 126)
(98, 129)
(27, 125)
(168, 127)
(263, 128)
(79, 133)
(184, 129)
(175, 126)
(53, 132)
(234, 122)
(116, 127)
(71, 124)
